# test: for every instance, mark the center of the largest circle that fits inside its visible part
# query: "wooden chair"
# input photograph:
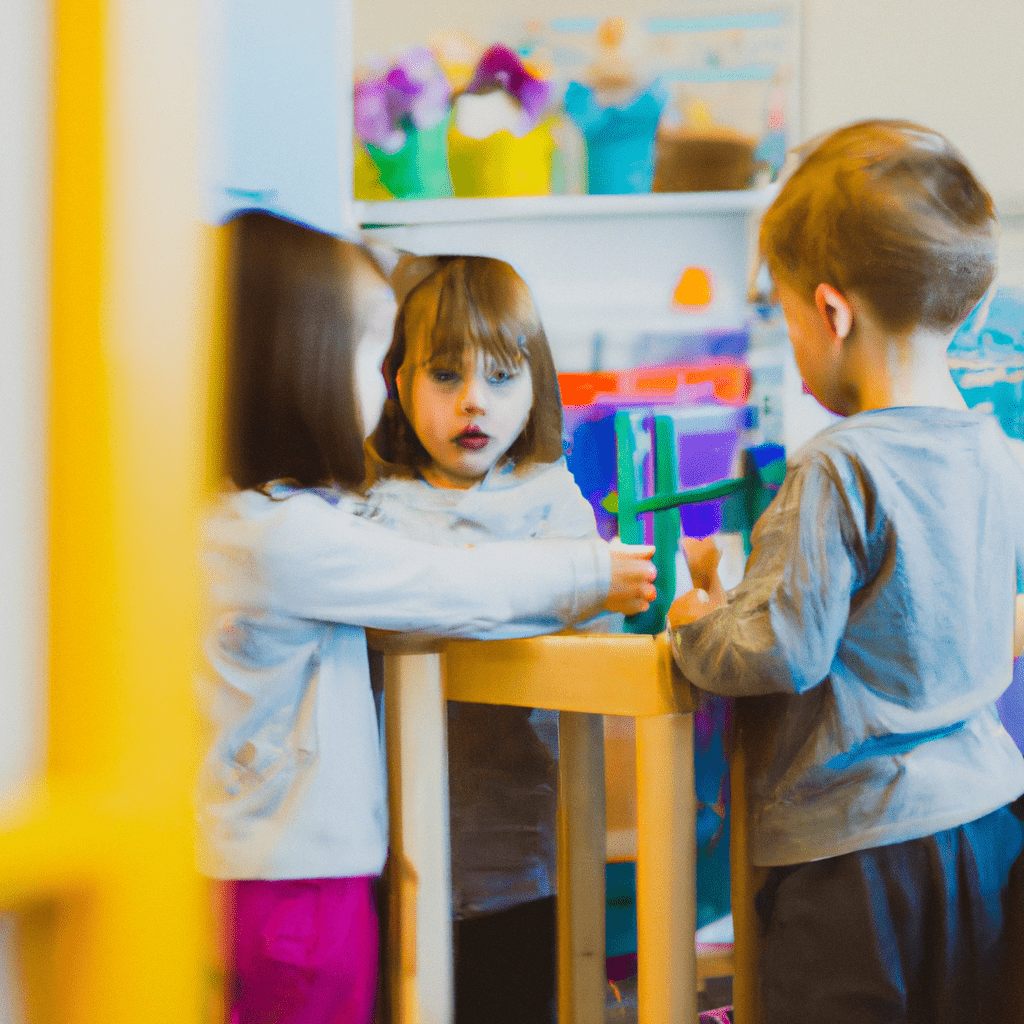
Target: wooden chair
(745, 878)
(584, 677)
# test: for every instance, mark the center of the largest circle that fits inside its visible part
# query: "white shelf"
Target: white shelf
(601, 268)
(523, 208)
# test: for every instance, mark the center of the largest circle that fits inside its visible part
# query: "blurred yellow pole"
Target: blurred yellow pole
(101, 856)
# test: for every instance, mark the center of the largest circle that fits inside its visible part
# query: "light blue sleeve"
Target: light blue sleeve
(781, 627)
(1016, 447)
(305, 558)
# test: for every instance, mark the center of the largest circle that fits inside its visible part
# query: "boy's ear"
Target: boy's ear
(835, 310)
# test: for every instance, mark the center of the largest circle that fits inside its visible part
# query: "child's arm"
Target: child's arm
(303, 557)
(702, 557)
(779, 630)
(570, 515)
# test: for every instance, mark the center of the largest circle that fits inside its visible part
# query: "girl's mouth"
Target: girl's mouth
(472, 439)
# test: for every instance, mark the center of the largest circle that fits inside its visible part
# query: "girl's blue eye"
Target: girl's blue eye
(500, 376)
(444, 376)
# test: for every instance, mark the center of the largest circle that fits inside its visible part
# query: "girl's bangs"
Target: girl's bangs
(482, 306)
(449, 348)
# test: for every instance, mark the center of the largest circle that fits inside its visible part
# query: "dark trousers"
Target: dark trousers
(505, 966)
(913, 932)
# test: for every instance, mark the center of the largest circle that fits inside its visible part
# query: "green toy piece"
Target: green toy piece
(747, 497)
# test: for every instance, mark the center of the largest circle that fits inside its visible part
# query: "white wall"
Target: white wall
(24, 85)
(276, 125)
(953, 65)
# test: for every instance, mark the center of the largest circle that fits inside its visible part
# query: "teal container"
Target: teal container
(620, 909)
(620, 140)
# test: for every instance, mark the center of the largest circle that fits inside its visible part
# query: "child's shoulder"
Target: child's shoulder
(952, 452)
(281, 502)
(280, 524)
(537, 475)
(903, 432)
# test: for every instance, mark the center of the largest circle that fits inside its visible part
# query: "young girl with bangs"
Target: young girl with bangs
(291, 798)
(468, 452)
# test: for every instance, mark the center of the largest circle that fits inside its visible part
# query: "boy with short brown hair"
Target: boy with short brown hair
(875, 623)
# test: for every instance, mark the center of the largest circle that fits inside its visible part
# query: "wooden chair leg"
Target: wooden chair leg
(581, 860)
(745, 881)
(416, 728)
(666, 869)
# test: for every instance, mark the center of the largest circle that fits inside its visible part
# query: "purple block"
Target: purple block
(707, 438)
(1011, 705)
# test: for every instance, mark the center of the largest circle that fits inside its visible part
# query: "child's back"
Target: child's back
(875, 624)
(882, 573)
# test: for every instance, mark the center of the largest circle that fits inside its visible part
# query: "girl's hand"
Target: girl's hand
(633, 575)
(690, 607)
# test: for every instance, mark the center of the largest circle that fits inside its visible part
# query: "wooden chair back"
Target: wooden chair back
(583, 677)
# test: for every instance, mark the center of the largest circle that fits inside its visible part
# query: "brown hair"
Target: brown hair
(291, 408)
(889, 211)
(483, 305)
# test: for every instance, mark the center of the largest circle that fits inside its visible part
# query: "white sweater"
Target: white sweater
(292, 785)
(502, 778)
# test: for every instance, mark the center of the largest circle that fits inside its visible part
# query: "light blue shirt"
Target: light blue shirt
(292, 784)
(502, 775)
(875, 621)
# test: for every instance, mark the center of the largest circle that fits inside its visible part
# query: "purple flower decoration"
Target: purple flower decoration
(412, 93)
(500, 68)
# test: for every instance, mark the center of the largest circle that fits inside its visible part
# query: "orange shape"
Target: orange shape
(610, 33)
(694, 289)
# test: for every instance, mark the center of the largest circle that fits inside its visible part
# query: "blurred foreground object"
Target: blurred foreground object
(97, 856)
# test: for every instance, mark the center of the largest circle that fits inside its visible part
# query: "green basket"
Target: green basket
(419, 170)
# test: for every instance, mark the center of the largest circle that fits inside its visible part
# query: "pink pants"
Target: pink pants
(304, 951)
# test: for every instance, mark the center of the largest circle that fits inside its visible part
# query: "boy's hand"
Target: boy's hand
(702, 557)
(633, 575)
(690, 607)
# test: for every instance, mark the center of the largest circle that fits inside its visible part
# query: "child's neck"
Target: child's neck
(884, 370)
(920, 373)
(442, 480)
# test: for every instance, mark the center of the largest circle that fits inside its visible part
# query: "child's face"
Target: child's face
(468, 416)
(813, 346)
